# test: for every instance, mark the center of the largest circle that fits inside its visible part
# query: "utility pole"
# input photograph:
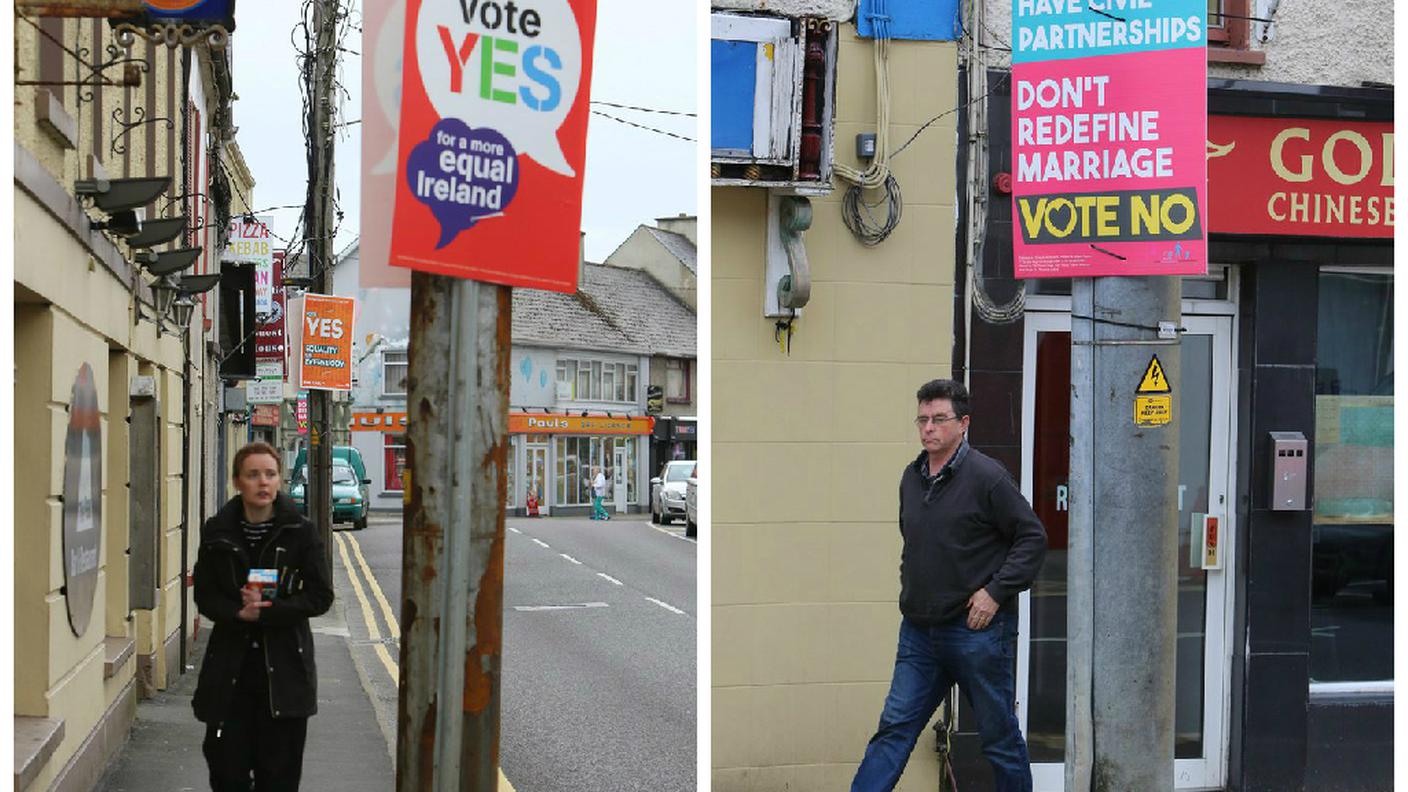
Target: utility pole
(1122, 559)
(452, 573)
(318, 214)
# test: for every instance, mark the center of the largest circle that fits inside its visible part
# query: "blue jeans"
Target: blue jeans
(928, 662)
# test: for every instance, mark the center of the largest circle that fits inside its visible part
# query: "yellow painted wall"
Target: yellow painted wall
(71, 309)
(808, 447)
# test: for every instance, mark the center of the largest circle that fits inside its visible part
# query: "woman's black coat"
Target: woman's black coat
(305, 590)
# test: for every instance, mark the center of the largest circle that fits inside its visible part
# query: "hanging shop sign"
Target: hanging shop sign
(533, 423)
(325, 351)
(250, 243)
(1109, 123)
(1299, 176)
(654, 399)
(383, 33)
(268, 385)
(492, 140)
(196, 13)
(394, 422)
(269, 337)
(83, 500)
(264, 415)
(300, 413)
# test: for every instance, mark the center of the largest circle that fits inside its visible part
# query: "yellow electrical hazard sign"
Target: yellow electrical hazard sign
(1154, 380)
(1153, 410)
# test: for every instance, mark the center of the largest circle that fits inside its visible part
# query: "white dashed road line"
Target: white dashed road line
(515, 530)
(608, 577)
(673, 535)
(666, 606)
(570, 558)
(540, 542)
(578, 606)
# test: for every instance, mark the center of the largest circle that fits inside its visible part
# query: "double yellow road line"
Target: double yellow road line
(344, 542)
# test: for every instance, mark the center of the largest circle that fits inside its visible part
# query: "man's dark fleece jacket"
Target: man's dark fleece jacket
(966, 528)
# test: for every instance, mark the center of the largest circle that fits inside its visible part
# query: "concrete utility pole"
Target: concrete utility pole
(452, 573)
(1122, 559)
(318, 216)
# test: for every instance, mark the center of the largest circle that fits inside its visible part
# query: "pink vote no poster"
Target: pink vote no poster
(1109, 129)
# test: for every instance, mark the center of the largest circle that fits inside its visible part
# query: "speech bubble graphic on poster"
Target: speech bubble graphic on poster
(463, 175)
(513, 68)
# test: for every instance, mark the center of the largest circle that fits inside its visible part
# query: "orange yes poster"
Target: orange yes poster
(492, 139)
(325, 355)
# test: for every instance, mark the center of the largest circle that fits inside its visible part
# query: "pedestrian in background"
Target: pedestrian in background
(971, 544)
(599, 495)
(260, 574)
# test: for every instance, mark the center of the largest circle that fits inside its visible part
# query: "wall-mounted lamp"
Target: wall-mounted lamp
(116, 195)
(163, 294)
(168, 263)
(181, 311)
(195, 284)
(157, 232)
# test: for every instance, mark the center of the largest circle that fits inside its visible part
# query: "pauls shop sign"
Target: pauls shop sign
(492, 139)
(1300, 177)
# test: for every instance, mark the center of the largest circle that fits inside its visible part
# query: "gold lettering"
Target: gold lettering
(1386, 180)
(1278, 164)
(1366, 157)
(1032, 220)
(1107, 220)
(1300, 207)
(1144, 214)
(1279, 217)
(1189, 213)
(1354, 218)
(1066, 204)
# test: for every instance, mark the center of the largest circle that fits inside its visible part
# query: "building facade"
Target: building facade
(581, 363)
(1284, 678)
(116, 413)
(812, 409)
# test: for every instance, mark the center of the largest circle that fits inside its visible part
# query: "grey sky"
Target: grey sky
(644, 56)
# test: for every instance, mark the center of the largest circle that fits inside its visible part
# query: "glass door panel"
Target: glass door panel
(536, 468)
(1203, 406)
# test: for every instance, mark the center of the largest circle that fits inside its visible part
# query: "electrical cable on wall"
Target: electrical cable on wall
(866, 226)
(979, 184)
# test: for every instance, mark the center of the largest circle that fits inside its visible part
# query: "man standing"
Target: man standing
(971, 543)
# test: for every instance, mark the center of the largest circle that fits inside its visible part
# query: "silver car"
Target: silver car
(691, 504)
(667, 491)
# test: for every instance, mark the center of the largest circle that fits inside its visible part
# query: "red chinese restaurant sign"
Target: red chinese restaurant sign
(492, 140)
(1300, 177)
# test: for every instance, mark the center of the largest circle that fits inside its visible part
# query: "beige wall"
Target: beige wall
(73, 306)
(643, 251)
(808, 448)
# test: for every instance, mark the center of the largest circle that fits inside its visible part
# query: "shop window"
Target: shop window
(395, 369)
(1351, 618)
(676, 380)
(576, 456)
(395, 446)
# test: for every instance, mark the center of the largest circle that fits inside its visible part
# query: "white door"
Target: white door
(1203, 665)
(618, 478)
(536, 475)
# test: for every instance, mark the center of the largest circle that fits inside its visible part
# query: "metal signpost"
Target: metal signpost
(1110, 175)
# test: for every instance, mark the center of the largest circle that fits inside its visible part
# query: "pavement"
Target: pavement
(347, 750)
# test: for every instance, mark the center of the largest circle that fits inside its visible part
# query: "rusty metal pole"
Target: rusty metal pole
(453, 540)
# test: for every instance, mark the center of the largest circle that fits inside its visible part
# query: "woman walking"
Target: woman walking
(599, 495)
(260, 575)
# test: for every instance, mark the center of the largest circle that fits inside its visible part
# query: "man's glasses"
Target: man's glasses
(937, 420)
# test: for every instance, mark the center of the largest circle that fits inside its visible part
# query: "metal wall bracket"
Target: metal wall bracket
(787, 280)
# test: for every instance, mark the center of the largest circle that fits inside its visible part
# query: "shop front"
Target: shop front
(674, 438)
(552, 455)
(1284, 661)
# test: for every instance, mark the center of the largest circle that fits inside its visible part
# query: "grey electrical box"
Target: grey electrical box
(1288, 466)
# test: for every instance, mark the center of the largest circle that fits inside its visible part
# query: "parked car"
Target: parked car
(351, 501)
(691, 504)
(667, 491)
